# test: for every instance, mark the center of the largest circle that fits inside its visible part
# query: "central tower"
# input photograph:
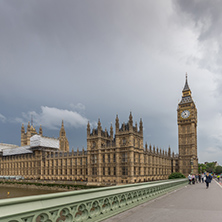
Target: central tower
(187, 133)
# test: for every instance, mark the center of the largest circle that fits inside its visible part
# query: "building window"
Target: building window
(94, 159)
(114, 157)
(124, 171)
(103, 158)
(124, 141)
(103, 171)
(94, 171)
(108, 170)
(114, 171)
(124, 157)
(108, 158)
(93, 144)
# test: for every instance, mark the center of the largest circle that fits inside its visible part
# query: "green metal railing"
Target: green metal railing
(86, 205)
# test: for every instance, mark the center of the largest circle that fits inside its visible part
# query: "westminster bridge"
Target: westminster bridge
(169, 200)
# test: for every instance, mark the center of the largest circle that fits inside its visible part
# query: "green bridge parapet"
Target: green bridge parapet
(85, 205)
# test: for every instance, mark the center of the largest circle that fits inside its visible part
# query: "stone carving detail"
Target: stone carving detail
(43, 217)
(95, 209)
(82, 213)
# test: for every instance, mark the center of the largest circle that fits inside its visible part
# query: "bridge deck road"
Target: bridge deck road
(190, 203)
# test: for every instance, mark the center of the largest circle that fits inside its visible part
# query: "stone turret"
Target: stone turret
(130, 122)
(88, 129)
(99, 127)
(117, 124)
(40, 130)
(63, 141)
(111, 131)
(141, 126)
(169, 152)
(25, 136)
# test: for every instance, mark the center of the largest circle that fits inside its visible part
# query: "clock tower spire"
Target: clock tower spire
(187, 132)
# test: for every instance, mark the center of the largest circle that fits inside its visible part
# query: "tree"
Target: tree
(201, 167)
(218, 170)
(210, 167)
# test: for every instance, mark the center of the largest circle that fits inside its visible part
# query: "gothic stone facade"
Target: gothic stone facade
(110, 158)
(187, 133)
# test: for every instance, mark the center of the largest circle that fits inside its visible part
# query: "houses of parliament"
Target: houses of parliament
(110, 158)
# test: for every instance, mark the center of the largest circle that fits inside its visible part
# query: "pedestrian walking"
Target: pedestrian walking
(190, 179)
(208, 180)
(193, 179)
(196, 178)
(202, 177)
(199, 177)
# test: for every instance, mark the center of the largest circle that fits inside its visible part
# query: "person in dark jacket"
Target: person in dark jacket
(208, 180)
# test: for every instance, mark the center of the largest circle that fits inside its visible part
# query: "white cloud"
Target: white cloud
(79, 107)
(51, 118)
(2, 118)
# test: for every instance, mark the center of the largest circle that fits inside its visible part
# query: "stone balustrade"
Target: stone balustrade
(85, 205)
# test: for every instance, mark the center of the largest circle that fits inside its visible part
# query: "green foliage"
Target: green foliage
(210, 167)
(176, 175)
(218, 170)
(201, 167)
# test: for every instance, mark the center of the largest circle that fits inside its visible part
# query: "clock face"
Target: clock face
(185, 114)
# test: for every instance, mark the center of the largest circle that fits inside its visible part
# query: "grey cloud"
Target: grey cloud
(204, 15)
(205, 18)
(112, 56)
(2, 118)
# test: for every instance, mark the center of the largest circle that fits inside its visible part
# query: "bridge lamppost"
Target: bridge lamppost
(191, 163)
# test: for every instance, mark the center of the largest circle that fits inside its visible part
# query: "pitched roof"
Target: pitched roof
(35, 141)
(186, 99)
(38, 140)
(7, 146)
(17, 151)
(186, 87)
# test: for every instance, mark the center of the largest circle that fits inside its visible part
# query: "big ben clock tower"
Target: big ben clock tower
(187, 133)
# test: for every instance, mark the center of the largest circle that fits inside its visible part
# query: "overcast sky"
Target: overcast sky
(80, 60)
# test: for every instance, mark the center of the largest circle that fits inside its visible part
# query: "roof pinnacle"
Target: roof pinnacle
(186, 86)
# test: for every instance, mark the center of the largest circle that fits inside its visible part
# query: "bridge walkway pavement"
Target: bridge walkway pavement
(188, 204)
